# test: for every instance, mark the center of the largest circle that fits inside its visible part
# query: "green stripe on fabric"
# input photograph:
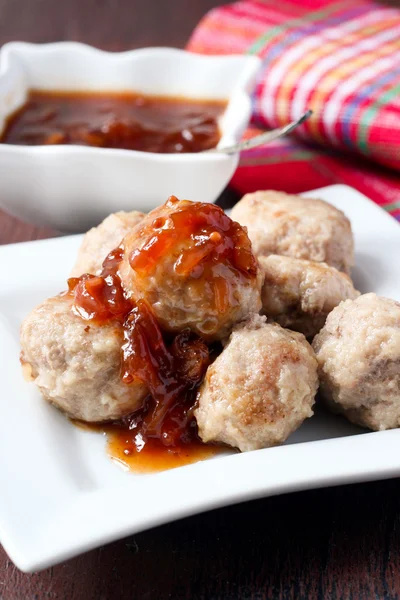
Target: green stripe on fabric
(370, 113)
(392, 206)
(317, 15)
(273, 160)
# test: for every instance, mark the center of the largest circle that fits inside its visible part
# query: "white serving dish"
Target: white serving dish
(60, 492)
(74, 187)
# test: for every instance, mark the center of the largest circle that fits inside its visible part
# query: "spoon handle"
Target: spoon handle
(263, 138)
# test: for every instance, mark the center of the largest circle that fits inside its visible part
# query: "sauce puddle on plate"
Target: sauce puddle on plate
(125, 449)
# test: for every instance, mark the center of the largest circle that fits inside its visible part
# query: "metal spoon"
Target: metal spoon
(263, 138)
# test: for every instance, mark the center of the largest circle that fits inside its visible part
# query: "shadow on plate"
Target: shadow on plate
(324, 425)
(367, 279)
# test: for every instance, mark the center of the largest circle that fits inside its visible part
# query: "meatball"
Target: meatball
(259, 389)
(76, 365)
(100, 240)
(279, 223)
(358, 353)
(194, 266)
(299, 294)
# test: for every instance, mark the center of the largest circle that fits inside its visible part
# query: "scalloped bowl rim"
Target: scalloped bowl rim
(248, 75)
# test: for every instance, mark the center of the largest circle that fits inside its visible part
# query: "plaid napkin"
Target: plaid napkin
(342, 60)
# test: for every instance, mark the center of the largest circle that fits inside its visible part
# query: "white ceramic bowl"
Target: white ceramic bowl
(74, 187)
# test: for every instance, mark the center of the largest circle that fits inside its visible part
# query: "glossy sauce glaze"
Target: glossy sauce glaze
(164, 430)
(201, 245)
(211, 237)
(116, 120)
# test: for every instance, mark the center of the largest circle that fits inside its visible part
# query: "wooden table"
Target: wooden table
(327, 544)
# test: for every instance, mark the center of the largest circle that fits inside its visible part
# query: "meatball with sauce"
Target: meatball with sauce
(358, 353)
(101, 240)
(194, 266)
(299, 294)
(259, 389)
(76, 364)
(279, 223)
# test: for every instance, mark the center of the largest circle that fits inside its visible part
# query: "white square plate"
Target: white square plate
(60, 494)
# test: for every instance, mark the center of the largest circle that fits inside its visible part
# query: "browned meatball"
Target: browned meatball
(358, 353)
(100, 240)
(194, 266)
(260, 389)
(299, 294)
(279, 223)
(76, 364)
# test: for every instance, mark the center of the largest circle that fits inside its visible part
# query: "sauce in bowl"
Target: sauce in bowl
(124, 120)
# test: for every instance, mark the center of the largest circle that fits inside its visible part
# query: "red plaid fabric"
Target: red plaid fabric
(342, 60)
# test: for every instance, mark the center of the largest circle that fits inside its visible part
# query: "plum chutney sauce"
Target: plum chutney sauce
(124, 120)
(163, 433)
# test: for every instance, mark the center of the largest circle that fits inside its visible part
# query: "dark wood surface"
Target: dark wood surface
(339, 543)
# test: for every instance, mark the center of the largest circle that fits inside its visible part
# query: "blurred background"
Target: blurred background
(109, 24)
